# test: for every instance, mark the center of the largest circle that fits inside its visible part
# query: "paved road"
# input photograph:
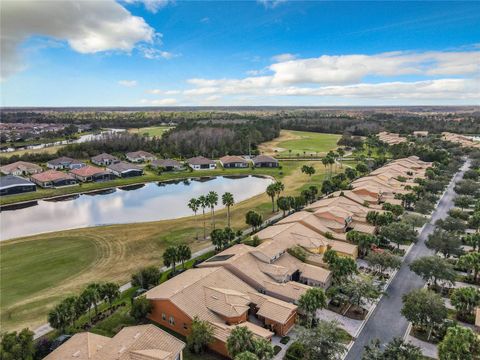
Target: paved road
(386, 322)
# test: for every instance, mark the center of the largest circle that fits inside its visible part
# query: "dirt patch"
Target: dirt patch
(272, 148)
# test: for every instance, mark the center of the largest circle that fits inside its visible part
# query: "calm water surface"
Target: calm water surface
(148, 202)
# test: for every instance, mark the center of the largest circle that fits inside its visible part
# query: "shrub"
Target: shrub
(285, 340)
(276, 349)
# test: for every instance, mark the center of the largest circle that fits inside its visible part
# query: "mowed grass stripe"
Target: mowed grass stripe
(49, 263)
(309, 142)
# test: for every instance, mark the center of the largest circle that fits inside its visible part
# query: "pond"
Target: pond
(137, 203)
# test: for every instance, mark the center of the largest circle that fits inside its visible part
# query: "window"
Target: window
(164, 317)
(171, 320)
(185, 326)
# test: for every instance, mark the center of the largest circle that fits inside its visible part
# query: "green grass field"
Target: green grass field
(38, 271)
(309, 143)
(157, 131)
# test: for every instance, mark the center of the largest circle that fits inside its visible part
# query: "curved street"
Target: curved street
(386, 322)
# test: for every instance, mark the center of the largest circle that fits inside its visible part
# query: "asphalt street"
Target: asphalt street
(386, 322)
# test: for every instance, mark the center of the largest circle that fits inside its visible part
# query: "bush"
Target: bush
(140, 308)
(296, 351)
(285, 340)
(276, 349)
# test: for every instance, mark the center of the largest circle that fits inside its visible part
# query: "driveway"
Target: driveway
(386, 321)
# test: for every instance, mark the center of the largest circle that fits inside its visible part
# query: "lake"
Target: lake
(137, 203)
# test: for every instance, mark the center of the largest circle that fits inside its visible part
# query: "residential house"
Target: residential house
(21, 168)
(104, 159)
(462, 140)
(420, 133)
(224, 300)
(271, 270)
(140, 156)
(265, 161)
(201, 163)
(123, 169)
(91, 173)
(143, 342)
(11, 184)
(391, 138)
(233, 162)
(64, 162)
(167, 164)
(53, 179)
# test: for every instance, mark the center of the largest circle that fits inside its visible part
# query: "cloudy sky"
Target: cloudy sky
(174, 53)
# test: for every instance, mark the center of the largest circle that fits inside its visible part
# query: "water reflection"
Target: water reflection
(149, 202)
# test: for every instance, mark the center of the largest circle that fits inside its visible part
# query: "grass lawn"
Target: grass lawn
(291, 143)
(37, 271)
(151, 131)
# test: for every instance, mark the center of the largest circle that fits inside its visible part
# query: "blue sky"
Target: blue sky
(158, 52)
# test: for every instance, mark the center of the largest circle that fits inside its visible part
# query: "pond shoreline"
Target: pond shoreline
(50, 212)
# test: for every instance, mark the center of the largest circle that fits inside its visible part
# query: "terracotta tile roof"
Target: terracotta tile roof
(20, 166)
(140, 340)
(81, 346)
(139, 154)
(264, 158)
(103, 156)
(51, 175)
(232, 159)
(200, 160)
(87, 171)
(166, 163)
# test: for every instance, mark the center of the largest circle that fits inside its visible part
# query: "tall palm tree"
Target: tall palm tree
(110, 291)
(170, 257)
(228, 201)
(183, 253)
(279, 187)
(194, 205)
(93, 292)
(203, 203)
(212, 200)
(271, 191)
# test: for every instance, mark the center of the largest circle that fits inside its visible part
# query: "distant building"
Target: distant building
(64, 163)
(391, 138)
(104, 159)
(420, 133)
(265, 161)
(21, 168)
(140, 156)
(53, 179)
(201, 163)
(91, 173)
(11, 184)
(167, 164)
(143, 342)
(233, 162)
(123, 169)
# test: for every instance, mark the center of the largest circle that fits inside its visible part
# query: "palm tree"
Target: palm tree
(91, 296)
(325, 162)
(194, 205)
(341, 154)
(240, 339)
(170, 257)
(271, 191)
(110, 291)
(202, 200)
(212, 200)
(183, 253)
(279, 187)
(228, 201)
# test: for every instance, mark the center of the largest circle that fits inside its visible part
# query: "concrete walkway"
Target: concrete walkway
(46, 328)
(386, 321)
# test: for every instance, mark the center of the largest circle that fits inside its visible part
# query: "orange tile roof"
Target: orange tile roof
(51, 175)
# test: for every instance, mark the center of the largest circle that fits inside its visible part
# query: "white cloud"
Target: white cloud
(151, 5)
(350, 69)
(284, 57)
(163, 92)
(128, 83)
(87, 27)
(271, 4)
(439, 76)
(155, 54)
(205, 20)
(160, 102)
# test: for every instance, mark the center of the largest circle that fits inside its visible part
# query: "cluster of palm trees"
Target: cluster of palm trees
(72, 307)
(274, 190)
(176, 254)
(331, 159)
(210, 201)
